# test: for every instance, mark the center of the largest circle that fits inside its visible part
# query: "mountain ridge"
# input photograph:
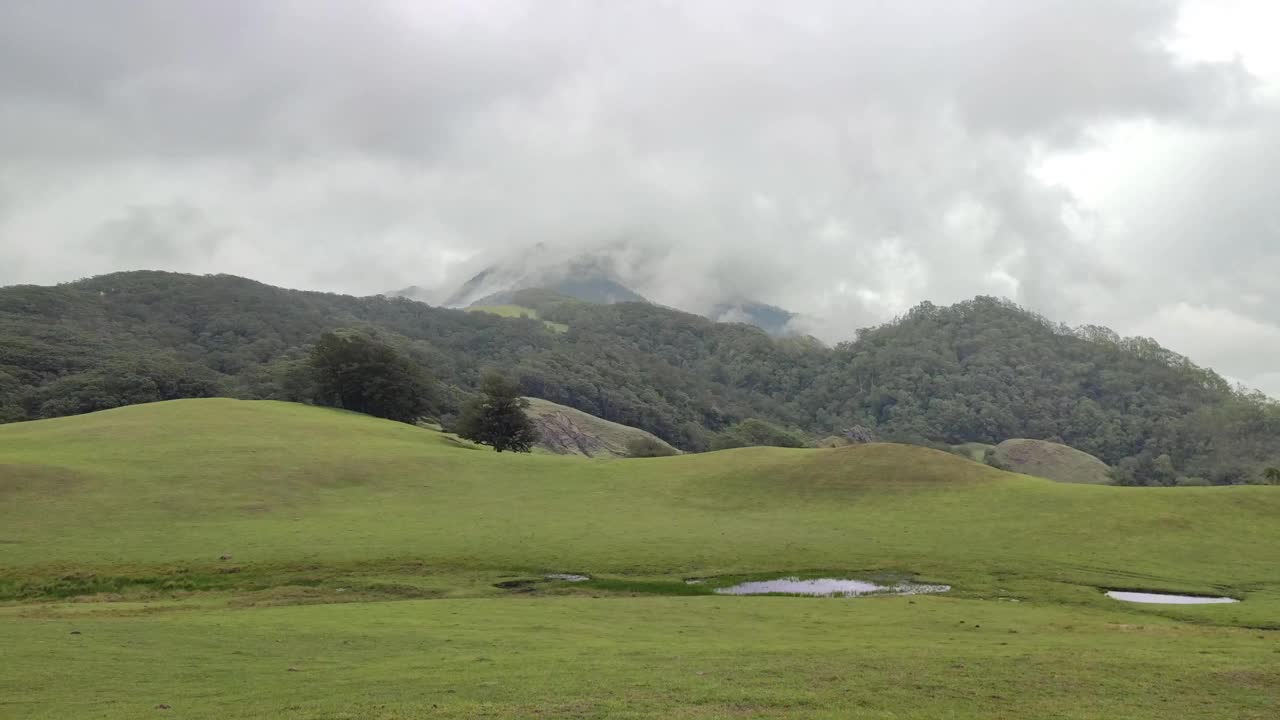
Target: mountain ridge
(591, 276)
(983, 370)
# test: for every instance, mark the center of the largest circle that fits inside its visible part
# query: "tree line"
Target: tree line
(983, 370)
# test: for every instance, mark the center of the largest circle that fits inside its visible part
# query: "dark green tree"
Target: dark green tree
(755, 432)
(1272, 474)
(496, 417)
(358, 372)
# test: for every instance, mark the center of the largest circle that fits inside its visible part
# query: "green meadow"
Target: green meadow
(516, 311)
(236, 559)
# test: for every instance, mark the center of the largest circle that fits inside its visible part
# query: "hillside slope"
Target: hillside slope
(566, 431)
(153, 489)
(1050, 460)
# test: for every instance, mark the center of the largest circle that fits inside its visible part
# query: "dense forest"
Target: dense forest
(978, 371)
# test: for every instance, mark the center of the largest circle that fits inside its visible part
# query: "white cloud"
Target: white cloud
(1097, 160)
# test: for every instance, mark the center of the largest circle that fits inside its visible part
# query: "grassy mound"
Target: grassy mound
(568, 431)
(1053, 461)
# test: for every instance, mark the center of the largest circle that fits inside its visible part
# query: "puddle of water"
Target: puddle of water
(1162, 599)
(568, 577)
(827, 587)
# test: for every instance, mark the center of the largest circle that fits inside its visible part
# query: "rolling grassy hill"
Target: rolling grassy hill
(115, 525)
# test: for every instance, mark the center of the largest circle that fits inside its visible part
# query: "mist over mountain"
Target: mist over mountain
(605, 275)
(841, 159)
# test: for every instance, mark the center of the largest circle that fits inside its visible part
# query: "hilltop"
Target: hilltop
(981, 371)
(593, 276)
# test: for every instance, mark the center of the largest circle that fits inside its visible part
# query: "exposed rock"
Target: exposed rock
(858, 435)
(568, 431)
(560, 434)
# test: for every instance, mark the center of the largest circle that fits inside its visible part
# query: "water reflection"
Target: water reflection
(827, 587)
(1162, 599)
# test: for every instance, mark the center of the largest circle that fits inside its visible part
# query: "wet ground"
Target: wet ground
(827, 587)
(1163, 599)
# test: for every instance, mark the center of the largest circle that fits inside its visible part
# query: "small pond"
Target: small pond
(1162, 599)
(568, 577)
(827, 587)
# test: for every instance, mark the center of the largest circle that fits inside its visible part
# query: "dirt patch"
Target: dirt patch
(1256, 679)
(18, 480)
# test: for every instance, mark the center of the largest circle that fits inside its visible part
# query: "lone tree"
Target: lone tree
(361, 373)
(1272, 474)
(497, 417)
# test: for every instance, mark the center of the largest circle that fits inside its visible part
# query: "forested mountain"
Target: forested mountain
(983, 370)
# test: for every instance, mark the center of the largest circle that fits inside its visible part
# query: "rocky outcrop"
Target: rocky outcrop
(566, 431)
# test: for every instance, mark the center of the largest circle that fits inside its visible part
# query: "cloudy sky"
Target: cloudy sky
(1105, 161)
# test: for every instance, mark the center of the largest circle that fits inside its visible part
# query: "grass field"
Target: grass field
(515, 311)
(364, 555)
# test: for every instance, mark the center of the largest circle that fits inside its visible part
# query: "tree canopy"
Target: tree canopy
(358, 372)
(496, 417)
(756, 432)
(983, 370)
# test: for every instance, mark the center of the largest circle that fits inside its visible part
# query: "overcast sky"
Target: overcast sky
(1105, 161)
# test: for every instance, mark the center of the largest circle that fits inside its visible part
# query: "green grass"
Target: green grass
(515, 311)
(113, 523)
(627, 658)
(1050, 460)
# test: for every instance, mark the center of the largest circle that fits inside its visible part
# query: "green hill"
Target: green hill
(979, 371)
(566, 431)
(237, 559)
(286, 483)
(1050, 460)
